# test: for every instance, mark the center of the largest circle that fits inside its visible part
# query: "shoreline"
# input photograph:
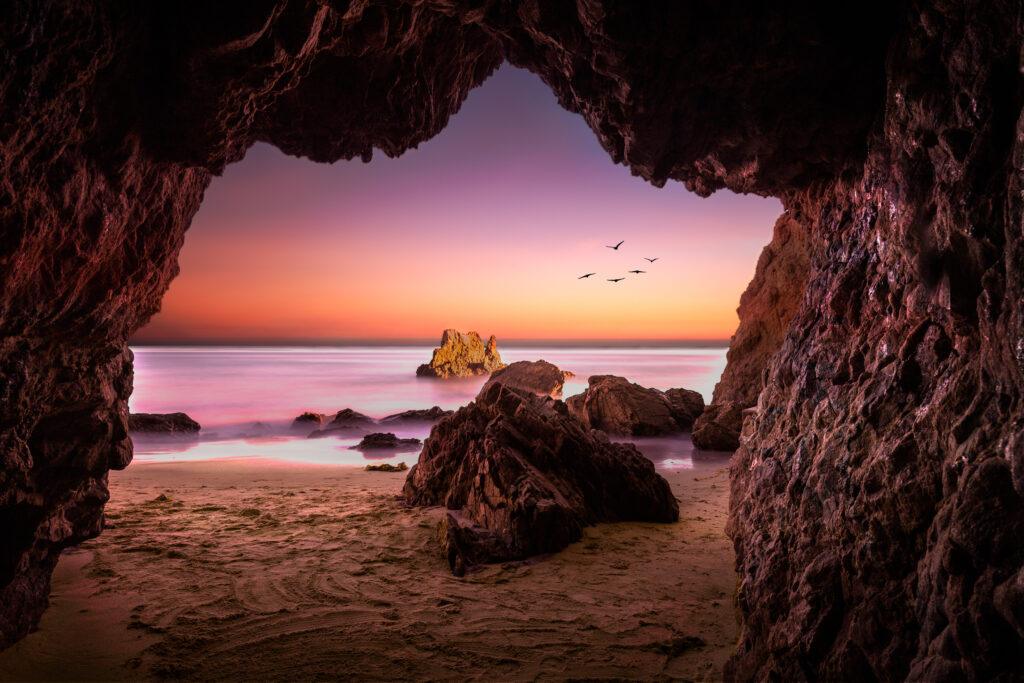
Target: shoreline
(253, 569)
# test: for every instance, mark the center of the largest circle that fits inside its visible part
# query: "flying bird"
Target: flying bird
(638, 271)
(616, 279)
(616, 247)
(587, 275)
(652, 260)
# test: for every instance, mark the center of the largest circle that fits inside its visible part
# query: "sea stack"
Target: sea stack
(462, 355)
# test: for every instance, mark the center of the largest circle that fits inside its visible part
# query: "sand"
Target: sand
(232, 570)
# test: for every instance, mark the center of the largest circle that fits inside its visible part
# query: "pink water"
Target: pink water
(230, 389)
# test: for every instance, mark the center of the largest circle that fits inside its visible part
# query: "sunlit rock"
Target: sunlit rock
(462, 355)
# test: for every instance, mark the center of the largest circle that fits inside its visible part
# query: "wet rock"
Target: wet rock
(522, 477)
(540, 377)
(387, 467)
(162, 423)
(686, 406)
(718, 427)
(462, 355)
(419, 415)
(617, 406)
(307, 420)
(350, 419)
(386, 441)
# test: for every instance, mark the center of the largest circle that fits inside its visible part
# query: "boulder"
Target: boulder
(462, 355)
(386, 467)
(617, 406)
(385, 441)
(350, 419)
(686, 406)
(718, 427)
(521, 476)
(307, 420)
(162, 423)
(421, 415)
(540, 377)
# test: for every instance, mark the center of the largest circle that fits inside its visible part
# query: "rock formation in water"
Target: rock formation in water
(386, 441)
(307, 420)
(162, 423)
(685, 406)
(718, 427)
(418, 415)
(520, 476)
(877, 494)
(462, 355)
(618, 406)
(539, 377)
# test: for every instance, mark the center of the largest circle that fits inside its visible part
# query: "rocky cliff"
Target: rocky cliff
(877, 491)
(462, 355)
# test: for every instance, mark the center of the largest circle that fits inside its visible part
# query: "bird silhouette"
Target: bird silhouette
(638, 271)
(616, 247)
(616, 279)
(652, 260)
(587, 275)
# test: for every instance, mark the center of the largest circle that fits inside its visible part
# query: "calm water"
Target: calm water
(245, 398)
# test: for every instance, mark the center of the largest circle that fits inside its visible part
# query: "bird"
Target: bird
(616, 279)
(616, 247)
(652, 260)
(638, 271)
(587, 275)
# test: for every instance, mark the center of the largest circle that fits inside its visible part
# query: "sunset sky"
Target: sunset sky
(485, 227)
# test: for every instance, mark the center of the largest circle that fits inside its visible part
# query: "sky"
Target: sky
(485, 227)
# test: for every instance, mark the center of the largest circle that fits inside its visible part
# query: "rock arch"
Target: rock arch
(877, 495)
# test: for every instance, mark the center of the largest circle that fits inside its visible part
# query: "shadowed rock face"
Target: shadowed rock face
(618, 406)
(877, 491)
(521, 477)
(539, 377)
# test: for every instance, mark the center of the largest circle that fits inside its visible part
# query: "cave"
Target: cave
(876, 495)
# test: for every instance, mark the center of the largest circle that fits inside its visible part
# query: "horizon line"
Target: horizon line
(433, 341)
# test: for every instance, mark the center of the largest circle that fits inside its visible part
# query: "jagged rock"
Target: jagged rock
(686, 406)
(307, 420)
(387, 467)
(419, 415)
(540, 377)
(162, 423)
(462, 355)
(719, 426)
(524, 477)
(350, 419)
(617, 406)
(385, 441)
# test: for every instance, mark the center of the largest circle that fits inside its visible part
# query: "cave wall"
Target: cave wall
(876, 497)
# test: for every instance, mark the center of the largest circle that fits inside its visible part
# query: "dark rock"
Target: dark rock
(162, 423)
(718, 427)
(307, 420)
(523, 477)
(540, 377)
(685, 405)
(386, 441)
(617, 406)
(386, 467)
(421, 415)
(462, 355)
(350, 419)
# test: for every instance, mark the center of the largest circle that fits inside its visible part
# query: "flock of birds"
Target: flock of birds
(619, 279)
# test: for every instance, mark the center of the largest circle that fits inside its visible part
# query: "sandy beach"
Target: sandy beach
(240, 569)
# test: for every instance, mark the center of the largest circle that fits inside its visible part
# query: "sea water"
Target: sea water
(245, 398)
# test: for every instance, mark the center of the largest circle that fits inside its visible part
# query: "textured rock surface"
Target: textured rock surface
(385, 441)
(540, 377)
(419, 415)
(618, 406)
(877, 493)
(348, 418)
(523, 477)
(307, 420)
(719, 427)
(462, 355)
(162, 423)
(685, 405)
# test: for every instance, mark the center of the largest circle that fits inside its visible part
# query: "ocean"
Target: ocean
(245, 398)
